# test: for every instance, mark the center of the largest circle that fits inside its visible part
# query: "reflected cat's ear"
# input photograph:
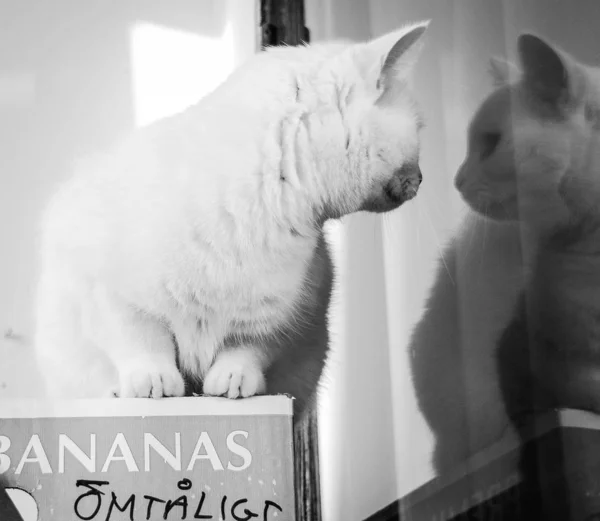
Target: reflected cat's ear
(394, 56)
(503, 72)
(549, 74)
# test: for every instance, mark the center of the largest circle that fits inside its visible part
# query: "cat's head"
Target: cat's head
(385, 122)
(533, 143)
(363, 122)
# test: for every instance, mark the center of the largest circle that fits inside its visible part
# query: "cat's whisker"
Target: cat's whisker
(385, 228)
(419, 211)
(440, 202)
(471, 243)
(485, 227)
(439, 247)
(485, 230)
(426, 210)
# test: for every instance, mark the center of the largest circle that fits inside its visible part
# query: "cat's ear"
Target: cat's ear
(390, 58)
(549, 74)
(502, 71)
(402, 56)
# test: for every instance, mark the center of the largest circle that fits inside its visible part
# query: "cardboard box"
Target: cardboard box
(142, 459)
(553, 475)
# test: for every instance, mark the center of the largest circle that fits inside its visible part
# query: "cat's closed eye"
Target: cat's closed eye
(489, 143)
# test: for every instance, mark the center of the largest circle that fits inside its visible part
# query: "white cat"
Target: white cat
(194, 250)
(528, 139)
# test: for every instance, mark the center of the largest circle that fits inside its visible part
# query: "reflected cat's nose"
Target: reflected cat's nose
(459, 179)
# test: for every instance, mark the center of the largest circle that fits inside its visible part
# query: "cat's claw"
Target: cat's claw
(235, 374)
(151, 381)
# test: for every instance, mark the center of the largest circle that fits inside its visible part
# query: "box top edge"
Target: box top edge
(269, 405)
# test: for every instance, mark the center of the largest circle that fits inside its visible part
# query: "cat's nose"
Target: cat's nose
(404, 184)
(410, 172)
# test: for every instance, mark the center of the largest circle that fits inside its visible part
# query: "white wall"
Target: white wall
(73, 77)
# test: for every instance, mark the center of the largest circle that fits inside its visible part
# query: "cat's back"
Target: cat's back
(454, 344)
(148, 174)
(219, 140)
(224, 143)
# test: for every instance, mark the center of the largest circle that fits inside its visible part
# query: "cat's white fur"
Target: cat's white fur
(202, 226)
(514, 183)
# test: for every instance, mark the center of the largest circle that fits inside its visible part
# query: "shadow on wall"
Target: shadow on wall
(66, 89)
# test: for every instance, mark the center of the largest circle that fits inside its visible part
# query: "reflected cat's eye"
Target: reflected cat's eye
(489, 143)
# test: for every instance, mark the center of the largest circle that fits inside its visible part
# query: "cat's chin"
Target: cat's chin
(381, 205)
(386, 202)
(495, 210)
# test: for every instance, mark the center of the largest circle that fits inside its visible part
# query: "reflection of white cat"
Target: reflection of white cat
(530, 171)
(24, 502)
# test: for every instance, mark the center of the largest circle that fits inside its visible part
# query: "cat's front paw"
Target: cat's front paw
(236, 373)
(151, 379)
